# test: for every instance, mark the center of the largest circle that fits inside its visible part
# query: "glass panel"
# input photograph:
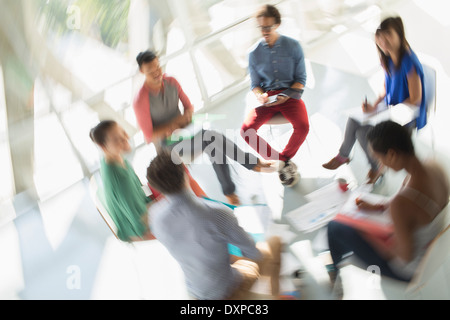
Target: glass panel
(78, 121)
(56, 165)
(206, 17)
(6, 182)
(119, 96)
(224, 62)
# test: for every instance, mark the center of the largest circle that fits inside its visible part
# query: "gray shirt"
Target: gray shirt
(197, 233)
(164, 105)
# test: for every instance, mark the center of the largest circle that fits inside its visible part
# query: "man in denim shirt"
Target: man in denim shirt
(278, 77)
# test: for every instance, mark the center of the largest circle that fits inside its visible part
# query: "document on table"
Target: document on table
(351, 210)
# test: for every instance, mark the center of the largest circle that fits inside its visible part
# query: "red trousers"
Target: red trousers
(294, 111)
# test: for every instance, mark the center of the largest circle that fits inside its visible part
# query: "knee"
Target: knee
(247, 132)
(244, 129)
(360, 135)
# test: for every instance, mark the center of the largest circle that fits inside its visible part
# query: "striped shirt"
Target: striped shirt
(197, 232)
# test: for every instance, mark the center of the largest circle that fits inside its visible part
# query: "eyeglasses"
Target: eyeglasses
(266, 28)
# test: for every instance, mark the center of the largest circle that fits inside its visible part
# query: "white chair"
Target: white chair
(430, 80)
(95, 193)
(279, 119)
(432, 279)
(430, 282)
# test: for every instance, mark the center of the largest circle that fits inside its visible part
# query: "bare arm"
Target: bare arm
(260, 95)
(372, 107)
(167, 129)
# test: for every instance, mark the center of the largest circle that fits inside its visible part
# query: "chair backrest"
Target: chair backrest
(432, 279)
(96, 191)
(429, 88)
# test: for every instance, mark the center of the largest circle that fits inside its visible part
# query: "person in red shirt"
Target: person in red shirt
(159, 117)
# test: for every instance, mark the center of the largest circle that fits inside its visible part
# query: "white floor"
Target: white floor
(62, 249)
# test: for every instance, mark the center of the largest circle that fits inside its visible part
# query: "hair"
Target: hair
(390, 135)
(166, 175)
(99, 132)
(145, 57)
(269, 11)
(396, 24)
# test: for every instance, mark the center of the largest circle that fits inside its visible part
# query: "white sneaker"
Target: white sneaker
(288, 174)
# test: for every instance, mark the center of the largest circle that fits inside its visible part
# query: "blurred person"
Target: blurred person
(403, 84)
(277, 69)
(418, 210)
(158, 115)
(197, 232)
(125, 199)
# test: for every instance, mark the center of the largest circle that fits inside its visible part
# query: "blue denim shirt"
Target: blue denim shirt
(277, 67)
(397, 89)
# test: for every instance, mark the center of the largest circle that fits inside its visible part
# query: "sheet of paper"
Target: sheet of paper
(368, 118)
(351, 209)
(272, 99)
(400, 113)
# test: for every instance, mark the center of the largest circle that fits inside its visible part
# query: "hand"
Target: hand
(263, 98)
(185, 119)
(368, 108)
(363, 205)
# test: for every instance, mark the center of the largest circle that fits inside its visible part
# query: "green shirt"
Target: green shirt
(124, 199)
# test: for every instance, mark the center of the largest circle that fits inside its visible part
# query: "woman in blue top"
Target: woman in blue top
(403, 84)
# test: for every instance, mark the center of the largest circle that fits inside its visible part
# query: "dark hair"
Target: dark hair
(145, 57)
(396, 24)
(165, 175)
(269, 11)
(390, 135)
(99, 132)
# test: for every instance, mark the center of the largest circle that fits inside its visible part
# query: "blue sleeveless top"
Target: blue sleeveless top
(397, 89)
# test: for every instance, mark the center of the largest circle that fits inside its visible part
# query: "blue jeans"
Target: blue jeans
(343, 240)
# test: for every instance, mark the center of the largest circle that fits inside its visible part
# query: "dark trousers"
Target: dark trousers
(343, 240)
(218, 148)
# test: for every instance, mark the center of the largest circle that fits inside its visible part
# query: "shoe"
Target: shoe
(288, 174)
(374, 175)
(336, 162)
(233, 199)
